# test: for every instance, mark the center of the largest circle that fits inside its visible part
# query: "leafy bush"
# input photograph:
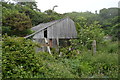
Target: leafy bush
(18, 58)
(21, 61)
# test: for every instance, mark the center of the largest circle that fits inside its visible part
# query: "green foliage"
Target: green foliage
(15, 23)
(98, 66)
(18, 18)
(31, 5)
(88, 16)
(110, 21)
(109, 13)
(109, 47)
(105, 66)
(115, 30)
(87, 34)
(54, 68)
(67, 52)
(35, 16)
(19, 60)
(52, 15)
(107, 18)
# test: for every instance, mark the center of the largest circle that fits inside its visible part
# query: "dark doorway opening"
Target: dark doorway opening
(64, 42)
(45, 33)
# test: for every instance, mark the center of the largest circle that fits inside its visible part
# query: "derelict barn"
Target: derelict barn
(54, 32)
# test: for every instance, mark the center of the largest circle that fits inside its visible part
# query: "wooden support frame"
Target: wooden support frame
(48, 47)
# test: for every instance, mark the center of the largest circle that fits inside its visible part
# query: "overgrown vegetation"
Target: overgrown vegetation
(19, 59)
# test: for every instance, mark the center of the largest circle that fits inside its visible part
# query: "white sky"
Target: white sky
(76, 5)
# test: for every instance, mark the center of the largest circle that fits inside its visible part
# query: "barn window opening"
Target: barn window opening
(45, 33)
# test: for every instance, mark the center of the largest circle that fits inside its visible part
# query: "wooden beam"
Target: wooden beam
(57, 41)
(48, 47)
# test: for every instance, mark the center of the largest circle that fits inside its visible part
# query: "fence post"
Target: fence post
(94, 46)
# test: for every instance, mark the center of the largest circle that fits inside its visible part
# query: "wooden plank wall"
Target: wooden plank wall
(39, 35)
(63, 29)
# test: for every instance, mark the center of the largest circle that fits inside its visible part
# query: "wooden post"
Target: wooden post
(50, 43)
(78, 52)
(57, 41)
(94, 46)
(57, 44)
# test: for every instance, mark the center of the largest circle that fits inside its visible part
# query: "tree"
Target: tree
(35, 16)
(109, 13)
(52, 15)
(110, 21)
(16, 23)
(90, 17)
(31, 5)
